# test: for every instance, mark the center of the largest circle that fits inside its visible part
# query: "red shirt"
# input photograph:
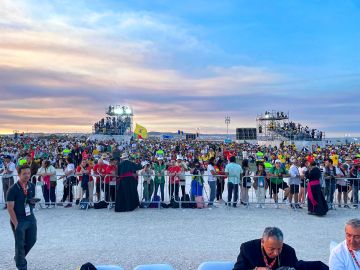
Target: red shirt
(110, 170)
(173, 178)
(88, 168)
(99, 170)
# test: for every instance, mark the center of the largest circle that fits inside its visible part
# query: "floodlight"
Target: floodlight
(118, 111)
(127, 110)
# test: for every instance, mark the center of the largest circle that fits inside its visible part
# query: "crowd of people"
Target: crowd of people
(93, 167)
(295, 131)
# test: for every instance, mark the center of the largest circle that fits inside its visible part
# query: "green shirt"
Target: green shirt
(159, 169)
(277, 180)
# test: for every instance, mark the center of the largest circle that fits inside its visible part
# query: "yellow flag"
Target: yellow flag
(141, 132)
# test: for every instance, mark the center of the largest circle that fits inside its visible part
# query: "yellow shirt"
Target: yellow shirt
(335, 159)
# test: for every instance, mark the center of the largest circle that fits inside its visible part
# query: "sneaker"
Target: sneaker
(346, 206)
(292, 206)
(77, 202)
(68, 205)
(51, 206)
(277, 206)
(258, 206)
(234, 205)
(339, 205)
(356, 207)
(298, 206)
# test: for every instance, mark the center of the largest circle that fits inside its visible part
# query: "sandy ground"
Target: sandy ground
(184, 238)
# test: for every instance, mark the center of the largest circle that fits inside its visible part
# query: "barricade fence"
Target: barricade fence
(189, 191)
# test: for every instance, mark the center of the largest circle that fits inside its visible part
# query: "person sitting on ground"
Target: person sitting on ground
(346, 255)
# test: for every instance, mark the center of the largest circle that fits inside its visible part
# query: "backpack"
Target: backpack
(173, 203)
(155, 202)
(185, 201)
(100, 205)
(84, 204)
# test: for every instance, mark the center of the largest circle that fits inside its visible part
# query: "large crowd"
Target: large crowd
(91, 165)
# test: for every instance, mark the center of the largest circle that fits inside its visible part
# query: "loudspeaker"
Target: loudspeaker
(246, 134)
(190, 136)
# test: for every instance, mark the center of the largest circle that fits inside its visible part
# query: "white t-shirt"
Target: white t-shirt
(11, 167)
(340, 181)
(209, 169)
(340, 258)
(70, 167)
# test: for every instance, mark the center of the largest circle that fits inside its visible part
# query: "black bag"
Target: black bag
(174, 204)
(185, 201)
(70, 180)
(100, 205)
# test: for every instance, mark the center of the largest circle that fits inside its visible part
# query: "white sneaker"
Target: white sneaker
(51, 206)
(277, 206)
(258, 206)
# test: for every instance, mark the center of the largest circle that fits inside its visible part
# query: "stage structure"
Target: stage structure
(118, 121)
(276, 126)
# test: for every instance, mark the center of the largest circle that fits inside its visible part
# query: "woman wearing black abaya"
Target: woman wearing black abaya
(316, 201)
(127, 197)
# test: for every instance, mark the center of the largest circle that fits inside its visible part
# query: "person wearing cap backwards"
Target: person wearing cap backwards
(127, 197)
(346, 255)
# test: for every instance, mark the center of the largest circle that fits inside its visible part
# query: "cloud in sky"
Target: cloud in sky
(62, 63)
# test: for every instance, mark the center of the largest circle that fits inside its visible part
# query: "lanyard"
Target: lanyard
(354, 258)
(271, 265)
(24, 189)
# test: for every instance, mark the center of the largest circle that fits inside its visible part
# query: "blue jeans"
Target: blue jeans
(212, 185)
(49, 194)
(329, 191)
(355, 190)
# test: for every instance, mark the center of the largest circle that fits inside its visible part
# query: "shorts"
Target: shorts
(294, 189)
(274, 188)
(302, 184)
(342, 188)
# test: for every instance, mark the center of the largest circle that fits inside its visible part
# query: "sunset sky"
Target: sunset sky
(181, 64)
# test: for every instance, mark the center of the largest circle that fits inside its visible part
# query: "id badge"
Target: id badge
(27, 210)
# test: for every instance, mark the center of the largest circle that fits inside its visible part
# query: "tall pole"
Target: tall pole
(227, 122)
